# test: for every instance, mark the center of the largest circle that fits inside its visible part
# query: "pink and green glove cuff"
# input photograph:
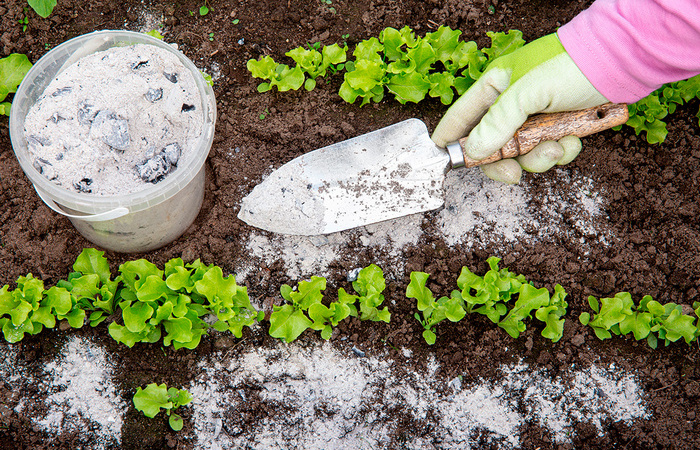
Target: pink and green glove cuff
(539, 77)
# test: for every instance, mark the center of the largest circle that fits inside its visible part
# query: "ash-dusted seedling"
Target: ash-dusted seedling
(162, 163)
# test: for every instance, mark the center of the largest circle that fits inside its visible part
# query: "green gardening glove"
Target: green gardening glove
(539, 77)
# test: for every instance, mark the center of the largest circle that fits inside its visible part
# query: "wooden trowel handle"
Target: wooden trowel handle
(554, 126)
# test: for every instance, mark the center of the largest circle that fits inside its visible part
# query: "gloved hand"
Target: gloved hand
(539, 77)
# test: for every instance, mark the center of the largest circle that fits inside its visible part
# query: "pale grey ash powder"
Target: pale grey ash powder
(116, 121)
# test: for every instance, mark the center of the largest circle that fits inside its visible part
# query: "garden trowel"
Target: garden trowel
(389, 173)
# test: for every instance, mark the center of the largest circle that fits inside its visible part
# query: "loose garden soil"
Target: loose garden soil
(622, 217)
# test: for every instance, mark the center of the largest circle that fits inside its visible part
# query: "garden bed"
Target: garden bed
(622, 217)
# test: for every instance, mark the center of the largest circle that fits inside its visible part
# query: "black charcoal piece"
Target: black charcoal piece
(153, 95)
(56, 117)
(62, 91)
(171, 153)
(139, 64)
(86, 113)
(40, 163)
(187, 108)
(35, 140)
(83, 185)
(162, 163)
(172, 77)
(154, 169)
(111, 130)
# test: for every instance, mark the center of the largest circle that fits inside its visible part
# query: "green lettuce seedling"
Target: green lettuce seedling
(279, 75)
(433, 311)
(156, 397)
(370, 284)
(649, 320)
(647, 115)
(304, 308)
(42, 7)
(316, 64)
(176, 300)
(490, 295)
(289, 320)
(13, 68)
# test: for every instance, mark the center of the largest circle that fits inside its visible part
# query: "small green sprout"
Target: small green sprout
(211, 36)
(24, 22)
(235, 21)
(203, 10)
(264, 114)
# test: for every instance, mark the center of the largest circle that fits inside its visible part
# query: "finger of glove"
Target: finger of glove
(572, 147)
(468, 110)
(506, 171)
(541, 158)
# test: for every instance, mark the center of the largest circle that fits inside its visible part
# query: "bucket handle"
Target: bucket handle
(107, 215)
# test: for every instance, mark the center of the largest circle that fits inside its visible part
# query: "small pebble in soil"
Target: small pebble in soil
(455, 384)
(358, 352)
(352, 275)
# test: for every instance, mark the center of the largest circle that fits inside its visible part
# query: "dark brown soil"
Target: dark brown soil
(651, 192)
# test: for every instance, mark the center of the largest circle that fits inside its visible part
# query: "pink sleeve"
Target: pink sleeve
(629, 48)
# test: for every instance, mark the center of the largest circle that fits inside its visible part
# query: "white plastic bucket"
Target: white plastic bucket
(135, 222)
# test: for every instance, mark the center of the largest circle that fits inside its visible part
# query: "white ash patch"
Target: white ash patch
(83, 396)
(304, 256)
(12, 370)
(115, 121)
(323, 397)
(479, 211)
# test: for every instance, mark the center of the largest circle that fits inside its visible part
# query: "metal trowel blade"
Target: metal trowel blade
(388, 173)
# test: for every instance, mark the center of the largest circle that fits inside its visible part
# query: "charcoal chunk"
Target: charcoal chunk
(56, 117)
(153, 95)
(172, 77)
(171, 153)
(86, 113)
(139, 64)
(35, 140)
(62, 91)
(83, 185)
(110, 129)
(45, 168)
(40, 163)
(153, 170)
(187, 108)
(162, 163)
